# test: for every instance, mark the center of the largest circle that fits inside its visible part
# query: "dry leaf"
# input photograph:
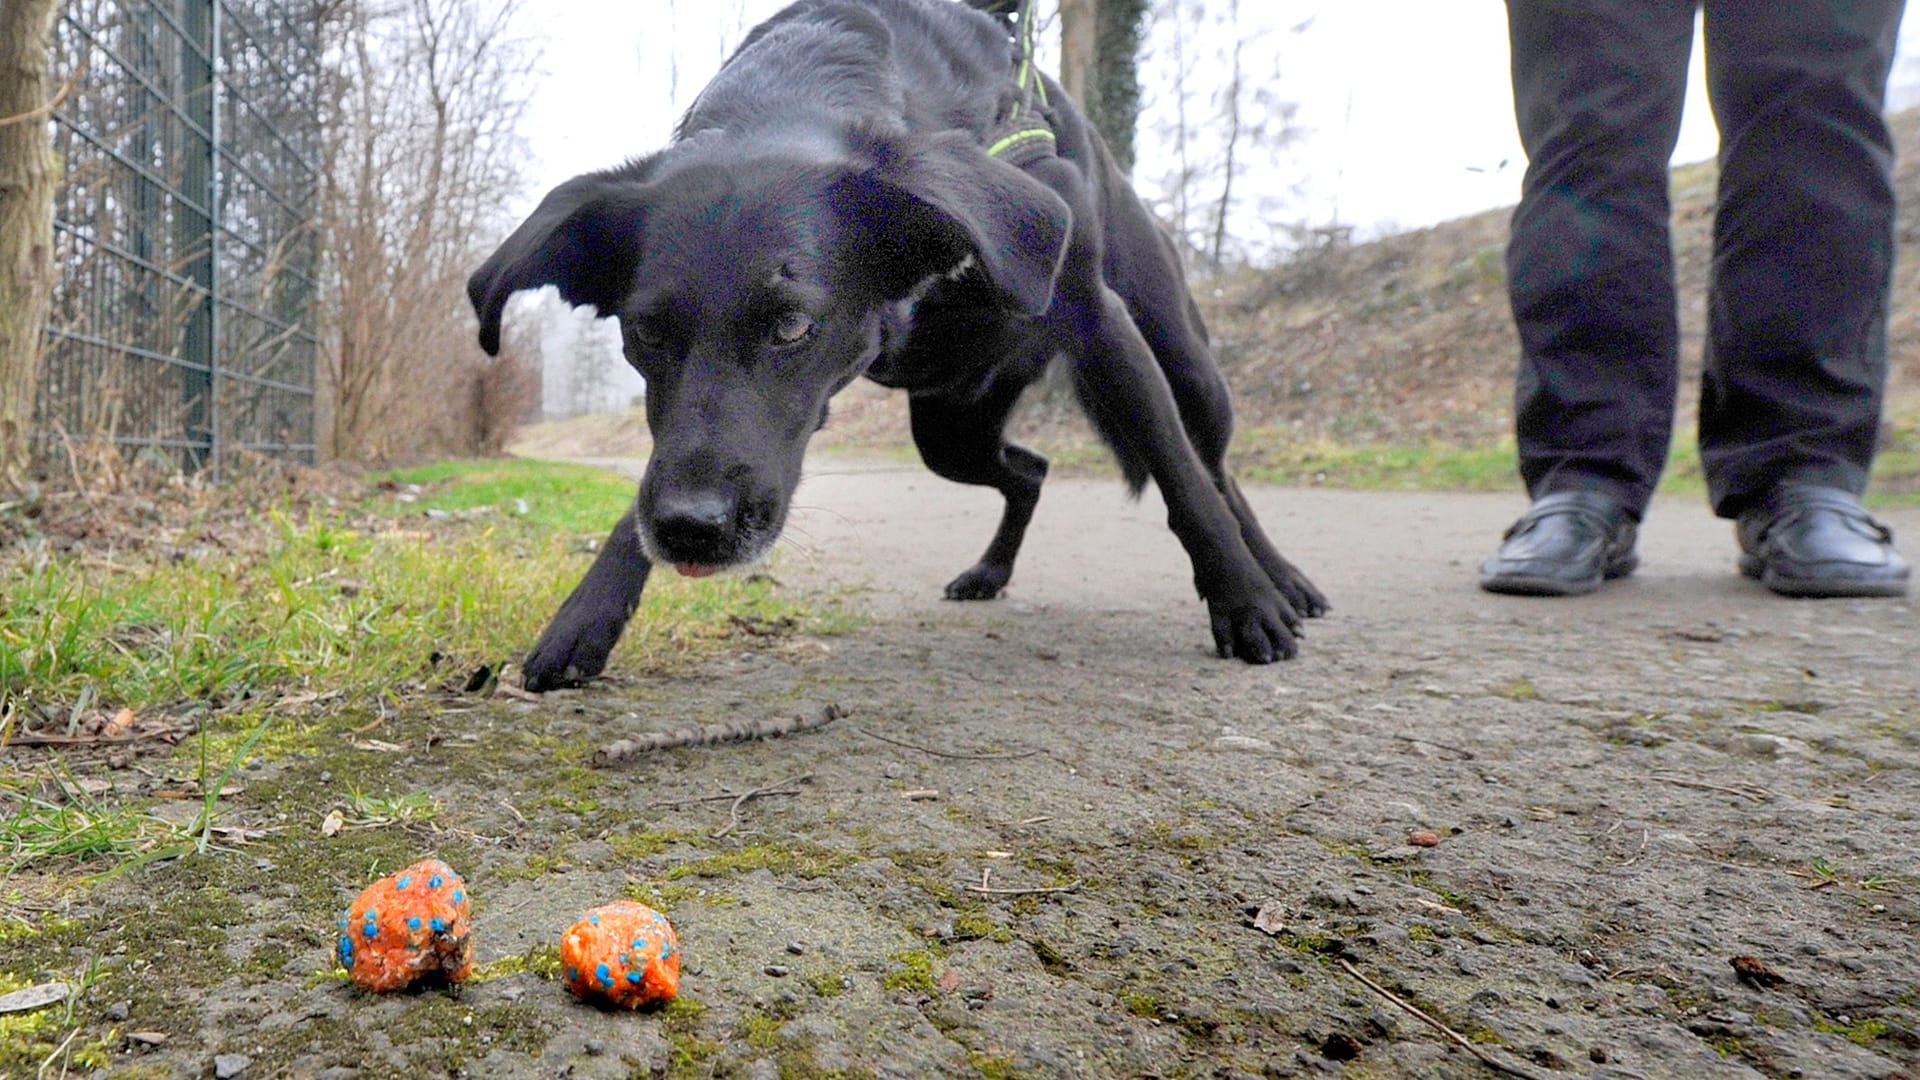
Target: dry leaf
(33, 997)
(333, 822)
(147, 1038)
(118, 727)
(949, 981)
(379, 747)
(1753, 971)
(1271, 919)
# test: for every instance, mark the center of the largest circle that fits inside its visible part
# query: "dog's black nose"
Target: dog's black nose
(697, 525)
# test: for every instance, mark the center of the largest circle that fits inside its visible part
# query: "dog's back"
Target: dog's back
(924, 64)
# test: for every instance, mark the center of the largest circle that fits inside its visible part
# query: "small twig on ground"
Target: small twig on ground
(1745, 791)
(743, 731)
(1465, 754)
(947, 754)
(781, 788)
(986, 875)
(1458, 1039)
(57, 1051)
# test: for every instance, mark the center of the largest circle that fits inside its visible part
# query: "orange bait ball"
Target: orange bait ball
(624, 953)
(407, 926)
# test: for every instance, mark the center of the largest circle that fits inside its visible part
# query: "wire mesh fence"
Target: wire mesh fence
(185, 230)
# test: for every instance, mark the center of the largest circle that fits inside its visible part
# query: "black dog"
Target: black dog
(868, 188)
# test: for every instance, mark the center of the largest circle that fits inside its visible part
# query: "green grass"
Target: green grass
(76, 828)
(345, 608)
(365, 811)
(343, 602)
(1274, 456)
(1270, 456)
(563, 498)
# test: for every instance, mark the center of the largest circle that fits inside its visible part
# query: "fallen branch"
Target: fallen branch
(707, 735)
(946, 754)
(1458, 1039)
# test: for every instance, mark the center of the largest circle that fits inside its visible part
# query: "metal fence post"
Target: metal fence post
(194, 229)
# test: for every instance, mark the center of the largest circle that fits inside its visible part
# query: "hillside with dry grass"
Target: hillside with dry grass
(1410, 339)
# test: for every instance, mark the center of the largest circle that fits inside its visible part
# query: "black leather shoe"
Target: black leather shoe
(1566, 544)
(1804, 540)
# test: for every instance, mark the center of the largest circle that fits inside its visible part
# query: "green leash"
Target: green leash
(1025, 136)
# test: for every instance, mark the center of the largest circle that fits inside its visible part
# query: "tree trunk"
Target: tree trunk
(1099, 66)
(26, 219)
(1115, 108)
(1079, 46)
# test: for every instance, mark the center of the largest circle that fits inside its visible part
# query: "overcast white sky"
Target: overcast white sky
(1404, 104)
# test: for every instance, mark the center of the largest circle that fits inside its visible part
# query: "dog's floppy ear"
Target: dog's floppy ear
(584, 239)
(958, 201)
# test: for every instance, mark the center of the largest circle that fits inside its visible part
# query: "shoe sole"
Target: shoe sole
(1528, 585)
(1818, 588)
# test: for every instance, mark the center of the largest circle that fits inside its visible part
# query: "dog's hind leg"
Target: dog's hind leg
(963, 439)
(576, 644)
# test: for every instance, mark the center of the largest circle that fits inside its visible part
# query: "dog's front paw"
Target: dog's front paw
(1299, 593)
(568, 654)
(1258, 629)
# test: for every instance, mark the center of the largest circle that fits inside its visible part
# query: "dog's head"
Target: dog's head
(751, 285)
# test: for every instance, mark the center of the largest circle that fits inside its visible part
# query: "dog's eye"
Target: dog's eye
(792, 326)
(647, 335)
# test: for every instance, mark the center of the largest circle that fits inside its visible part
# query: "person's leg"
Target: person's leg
(1598, 86)
(1803, 245)
(1797, 314)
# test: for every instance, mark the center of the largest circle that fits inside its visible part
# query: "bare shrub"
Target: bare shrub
(421, 157)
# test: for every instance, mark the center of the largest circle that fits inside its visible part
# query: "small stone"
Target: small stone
(119, 1011)
(796, 949)
(1597, 1055)
(1340, 1046)
(228, 1066)
(778, 971)
(594, 1047)
(1423, 838)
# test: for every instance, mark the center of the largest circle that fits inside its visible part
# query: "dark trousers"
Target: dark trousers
(1802, 242)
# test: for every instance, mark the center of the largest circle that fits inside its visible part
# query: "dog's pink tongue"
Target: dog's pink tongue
(695, 569)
